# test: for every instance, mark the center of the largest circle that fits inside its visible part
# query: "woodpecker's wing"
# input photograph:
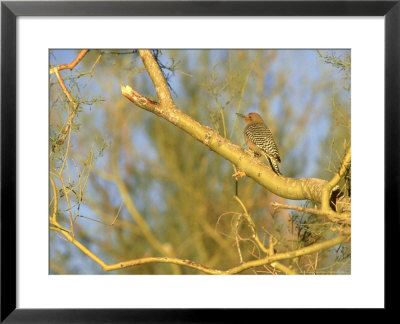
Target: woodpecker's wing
(261, 136)
(274, 165)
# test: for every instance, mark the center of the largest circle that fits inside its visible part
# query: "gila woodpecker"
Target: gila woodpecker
(259, 139)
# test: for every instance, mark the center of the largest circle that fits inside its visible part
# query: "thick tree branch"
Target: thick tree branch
(157, 77)
(297, 189)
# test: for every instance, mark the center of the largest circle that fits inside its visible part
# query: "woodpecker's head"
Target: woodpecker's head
(251, 118)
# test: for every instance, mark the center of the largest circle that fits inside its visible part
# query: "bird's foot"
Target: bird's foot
(239, 174)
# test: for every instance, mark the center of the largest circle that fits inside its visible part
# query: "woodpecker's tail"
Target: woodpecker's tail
(273, 164)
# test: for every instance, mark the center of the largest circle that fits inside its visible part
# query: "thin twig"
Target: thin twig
(71, 65)
(237, 240)
(55, 206)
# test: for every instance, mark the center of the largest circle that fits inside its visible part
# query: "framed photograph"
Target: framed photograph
(164, 158)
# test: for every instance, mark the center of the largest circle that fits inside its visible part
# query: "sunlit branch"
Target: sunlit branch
(326, 190)
(71, 65)
(156, 75)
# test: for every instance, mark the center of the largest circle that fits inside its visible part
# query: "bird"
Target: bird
(259, 139)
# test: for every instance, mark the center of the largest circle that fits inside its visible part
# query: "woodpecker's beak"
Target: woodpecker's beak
(241, 115)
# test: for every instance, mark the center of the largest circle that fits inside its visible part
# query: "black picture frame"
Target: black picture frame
(9, 13)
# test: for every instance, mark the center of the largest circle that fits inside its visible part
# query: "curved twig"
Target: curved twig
(326, 190)
(245, 266)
